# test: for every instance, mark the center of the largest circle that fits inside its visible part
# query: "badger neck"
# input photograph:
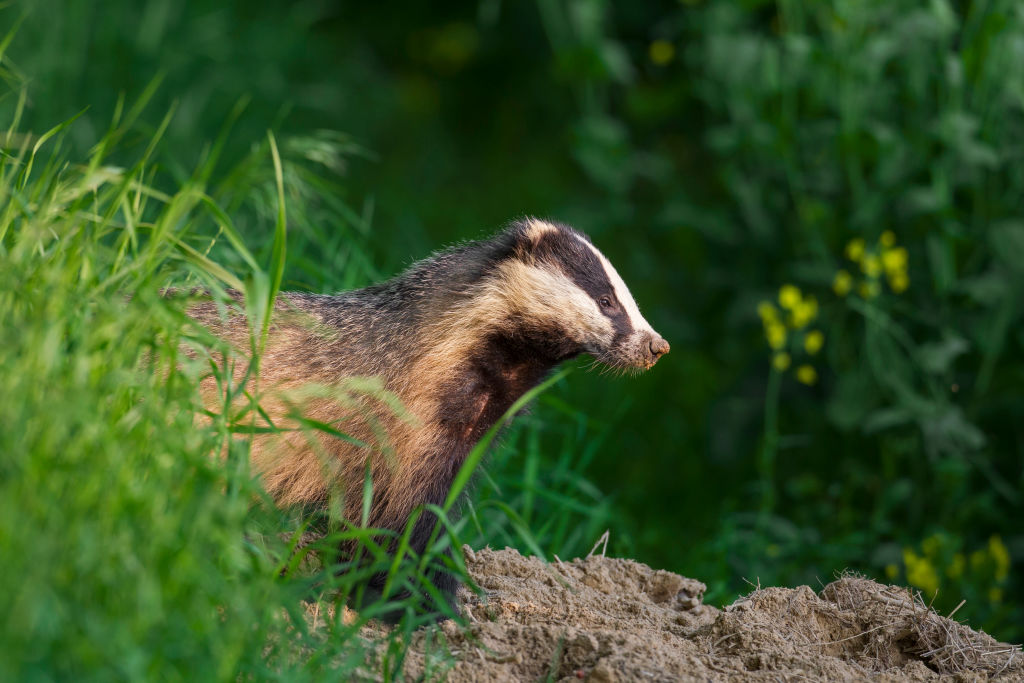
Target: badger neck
(474, 346)
(487, 358)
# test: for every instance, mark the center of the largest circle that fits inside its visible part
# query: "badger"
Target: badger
(451, 344)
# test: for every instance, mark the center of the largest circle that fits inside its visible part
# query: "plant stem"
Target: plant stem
(769, 446)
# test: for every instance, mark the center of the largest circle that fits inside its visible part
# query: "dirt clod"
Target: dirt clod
(615, 620)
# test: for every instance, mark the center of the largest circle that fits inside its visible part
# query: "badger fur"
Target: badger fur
(453, 342)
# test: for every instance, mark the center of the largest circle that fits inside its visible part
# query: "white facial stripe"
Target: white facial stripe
(542, 293)
(621, 291)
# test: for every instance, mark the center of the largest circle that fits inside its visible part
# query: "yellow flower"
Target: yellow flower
(977, 559)
(891, 571)
(775, 333)
(843, 283)
(956, 567)
(789, 296)
(1000, 556)
(887, 239)
(895, 260)
(661, 52)
(931, 545)
(995, 594)
(813, 341)
(804, 312)
(871, 265)
(807, 375)
(855, 249)
(869, 290)
(767, 312)
(920, 573)
(781, 361)
(899, 282)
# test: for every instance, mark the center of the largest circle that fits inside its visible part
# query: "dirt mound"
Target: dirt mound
(604, 619)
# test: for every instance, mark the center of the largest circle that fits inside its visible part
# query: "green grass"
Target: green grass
(131, 551)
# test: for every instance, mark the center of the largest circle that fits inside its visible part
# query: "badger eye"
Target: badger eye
(606, 302)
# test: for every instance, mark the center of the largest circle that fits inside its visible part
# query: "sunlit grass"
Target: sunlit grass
(130, 548)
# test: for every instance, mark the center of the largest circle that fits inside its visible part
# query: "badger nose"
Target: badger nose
(659, 347)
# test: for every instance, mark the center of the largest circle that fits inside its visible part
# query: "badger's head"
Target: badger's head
(557, 283)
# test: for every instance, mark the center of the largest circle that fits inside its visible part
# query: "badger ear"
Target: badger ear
(527, 234)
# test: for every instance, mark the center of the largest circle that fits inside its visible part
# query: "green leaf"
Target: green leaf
(940, 256)
(887, 418)
(1007, 241)
(937, 357)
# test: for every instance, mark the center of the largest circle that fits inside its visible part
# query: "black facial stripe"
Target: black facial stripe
(620, 323)
(581, 265)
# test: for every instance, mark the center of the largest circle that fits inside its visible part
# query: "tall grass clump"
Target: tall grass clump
(131, 550)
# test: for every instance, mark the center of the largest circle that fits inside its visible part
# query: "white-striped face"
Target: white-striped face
(564, 281)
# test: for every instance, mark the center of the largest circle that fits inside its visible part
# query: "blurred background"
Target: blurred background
(819, 204)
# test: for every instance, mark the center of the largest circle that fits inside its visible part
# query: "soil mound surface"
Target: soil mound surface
(605, 619)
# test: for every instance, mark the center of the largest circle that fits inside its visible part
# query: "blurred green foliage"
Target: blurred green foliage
(716, 152)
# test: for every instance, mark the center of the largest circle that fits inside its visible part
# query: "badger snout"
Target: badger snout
(641, 350)
(656, 348)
